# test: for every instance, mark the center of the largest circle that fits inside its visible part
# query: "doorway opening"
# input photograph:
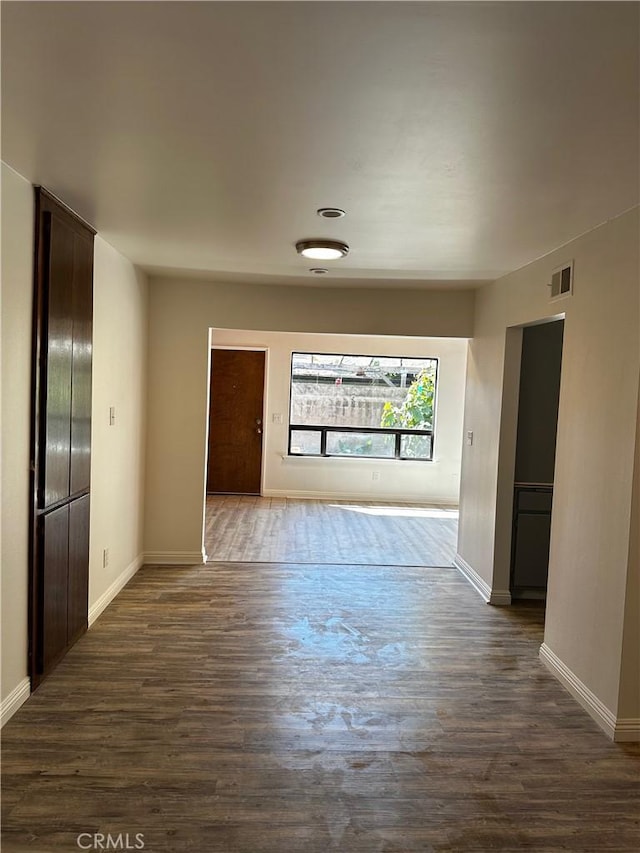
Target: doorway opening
(538, 399)
(345, 502)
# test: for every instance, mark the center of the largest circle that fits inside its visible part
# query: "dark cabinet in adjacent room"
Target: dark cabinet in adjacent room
(540, 373)
(61, 432)
(531, 538)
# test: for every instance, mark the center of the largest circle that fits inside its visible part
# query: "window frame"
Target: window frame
(398, 432)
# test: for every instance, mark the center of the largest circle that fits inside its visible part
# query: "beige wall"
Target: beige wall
(119, 353)
(17, 294)
(180, 316)
(117, 452)
(595, 449)
(438, 480)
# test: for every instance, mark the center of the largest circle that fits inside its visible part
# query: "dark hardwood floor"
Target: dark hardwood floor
(247, 708)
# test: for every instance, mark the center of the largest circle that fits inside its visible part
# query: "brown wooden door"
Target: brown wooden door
(61, 433)
(235, 422)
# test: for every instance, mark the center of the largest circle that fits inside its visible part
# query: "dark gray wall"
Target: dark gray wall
(538, 404)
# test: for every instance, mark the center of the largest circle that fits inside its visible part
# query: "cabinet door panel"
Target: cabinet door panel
(81, 364)
(56, 393)
(531, 558)
(77, 608)
(53, 582)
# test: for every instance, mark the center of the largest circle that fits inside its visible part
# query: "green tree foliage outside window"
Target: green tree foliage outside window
(416, 410)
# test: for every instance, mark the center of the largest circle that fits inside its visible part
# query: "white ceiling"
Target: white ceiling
(463, 139)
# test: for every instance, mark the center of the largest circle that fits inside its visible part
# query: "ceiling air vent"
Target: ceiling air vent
(562, 281)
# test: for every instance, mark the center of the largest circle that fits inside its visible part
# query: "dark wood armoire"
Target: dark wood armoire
(61, 433)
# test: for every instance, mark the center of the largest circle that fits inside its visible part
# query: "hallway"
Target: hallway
(242, 708)
(288, 530)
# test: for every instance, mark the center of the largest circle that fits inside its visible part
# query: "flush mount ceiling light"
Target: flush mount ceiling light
(330, 212)
(322, 250)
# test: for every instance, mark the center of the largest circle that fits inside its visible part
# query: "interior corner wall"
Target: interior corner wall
(437, 481)
(119, 365)
(180, 316)
(597, 423)
(118, 450)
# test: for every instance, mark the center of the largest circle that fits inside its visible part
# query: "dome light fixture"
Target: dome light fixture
(322, 250)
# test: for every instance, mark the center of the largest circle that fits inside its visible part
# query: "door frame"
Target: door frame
(503, 526)
(265, 387)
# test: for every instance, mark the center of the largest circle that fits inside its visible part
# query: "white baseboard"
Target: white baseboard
(110, 593)
(605, 718)
(479, 584)
(175, 558)
(627, 729)
(498, 597)
(359, 496)
(14, 700)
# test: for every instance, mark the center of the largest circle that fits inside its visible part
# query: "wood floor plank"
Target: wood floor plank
(277, 708)
(288, 530)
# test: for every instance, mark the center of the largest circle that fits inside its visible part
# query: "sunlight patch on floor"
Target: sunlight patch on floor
(401, 511)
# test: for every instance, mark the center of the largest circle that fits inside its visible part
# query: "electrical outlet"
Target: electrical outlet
(105, 558)
(375, 475)
(469, 436)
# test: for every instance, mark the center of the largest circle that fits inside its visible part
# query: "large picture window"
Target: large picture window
(379, 407)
